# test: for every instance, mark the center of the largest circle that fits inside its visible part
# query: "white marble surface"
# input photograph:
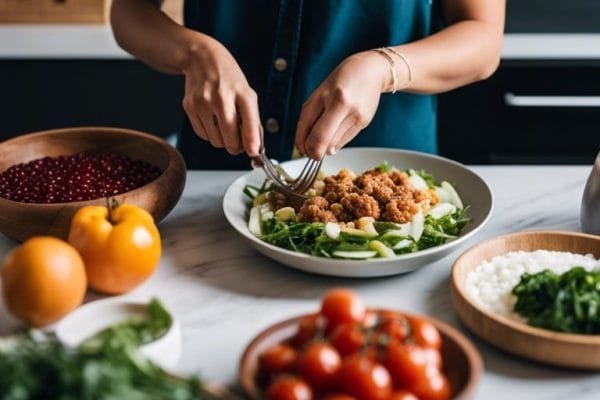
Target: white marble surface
(224, 292)
(85, 41)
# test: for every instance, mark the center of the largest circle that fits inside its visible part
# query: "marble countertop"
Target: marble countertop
(224, 292)
(89, 41)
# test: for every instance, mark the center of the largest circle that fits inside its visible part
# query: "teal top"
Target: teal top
(313, 37)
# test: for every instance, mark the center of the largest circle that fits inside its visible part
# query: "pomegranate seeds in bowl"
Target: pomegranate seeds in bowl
(78, 177)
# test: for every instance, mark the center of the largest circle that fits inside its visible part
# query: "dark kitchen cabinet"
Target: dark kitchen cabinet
(528, 112)
(45, 94)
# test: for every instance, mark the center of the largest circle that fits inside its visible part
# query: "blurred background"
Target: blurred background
(60, 66)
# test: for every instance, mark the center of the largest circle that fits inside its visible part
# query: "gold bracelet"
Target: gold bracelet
(392, 68)
(405, 60)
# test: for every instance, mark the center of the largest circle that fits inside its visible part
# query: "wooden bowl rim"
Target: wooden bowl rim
(521, 327)
(472, 355)
(172, 153)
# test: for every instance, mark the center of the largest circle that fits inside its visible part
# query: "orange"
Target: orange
(43, 280)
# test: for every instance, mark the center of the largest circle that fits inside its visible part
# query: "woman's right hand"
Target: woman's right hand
(221, 106)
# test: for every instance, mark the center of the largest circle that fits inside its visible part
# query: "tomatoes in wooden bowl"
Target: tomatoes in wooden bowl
(347, 351)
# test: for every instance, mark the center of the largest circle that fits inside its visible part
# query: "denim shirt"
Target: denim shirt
(286, 48)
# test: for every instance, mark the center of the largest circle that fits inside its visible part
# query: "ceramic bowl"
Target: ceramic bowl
(472, 188)
(22, 220)
(95, 316)
(562, 349)
(462, 362)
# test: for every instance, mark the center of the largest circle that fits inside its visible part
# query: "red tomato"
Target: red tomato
(286, 387)
(434, 357)
(395, 326)
(414, 368)
(307, 331)
(403, 395)
(435, 387)
(370, 319)
(425, 333)
(336, 396)
(340, 306)
(279, 358)
(348, 338)
(365, 379)
(319, 364)
(407, 364)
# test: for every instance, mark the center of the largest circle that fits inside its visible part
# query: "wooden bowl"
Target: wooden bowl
(462, 362)
(561, 349)
(22, 220)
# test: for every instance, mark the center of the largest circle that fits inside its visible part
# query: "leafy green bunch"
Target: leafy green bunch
(569, 302)
(108, 366)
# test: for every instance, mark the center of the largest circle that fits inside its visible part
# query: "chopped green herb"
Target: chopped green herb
(569, 302)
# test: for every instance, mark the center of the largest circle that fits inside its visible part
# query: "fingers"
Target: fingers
(311, 111)
(345, 136)
(211, 124)
(228, 125)
(194, 120)
(339, 138)
(249, 121)
(323, 131)
(226, 120)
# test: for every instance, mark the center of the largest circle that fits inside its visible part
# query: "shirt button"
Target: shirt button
(280, 64)
(272, 125)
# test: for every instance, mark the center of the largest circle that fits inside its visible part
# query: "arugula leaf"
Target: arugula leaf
(137, 330)
(385, 166)
(427, 177)
(569, 302)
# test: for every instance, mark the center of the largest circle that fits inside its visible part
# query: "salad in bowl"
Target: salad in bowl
(381, 212)
(363, 217)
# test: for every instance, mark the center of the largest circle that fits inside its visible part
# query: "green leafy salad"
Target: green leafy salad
(434, 223)
(568, 302)
(108, 366)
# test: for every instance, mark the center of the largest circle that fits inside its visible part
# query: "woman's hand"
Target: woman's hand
(342, 105)
(221, 106)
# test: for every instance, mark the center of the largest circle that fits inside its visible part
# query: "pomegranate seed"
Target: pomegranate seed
(78, 177)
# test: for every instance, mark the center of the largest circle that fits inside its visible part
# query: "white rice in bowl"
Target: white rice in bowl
(490, 284)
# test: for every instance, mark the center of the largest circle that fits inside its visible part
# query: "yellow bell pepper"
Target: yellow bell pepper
(120, 246)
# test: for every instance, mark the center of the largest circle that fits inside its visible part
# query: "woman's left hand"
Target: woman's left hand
(342, 105)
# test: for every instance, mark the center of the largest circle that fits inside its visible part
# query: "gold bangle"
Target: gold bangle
(392, 68)
(405, 60)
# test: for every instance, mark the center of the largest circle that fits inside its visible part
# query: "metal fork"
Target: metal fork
(292, 188)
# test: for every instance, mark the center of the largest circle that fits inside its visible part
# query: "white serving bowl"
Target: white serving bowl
(471, 187)
(95, 316)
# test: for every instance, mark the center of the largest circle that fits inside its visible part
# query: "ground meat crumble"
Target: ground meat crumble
(375, 193)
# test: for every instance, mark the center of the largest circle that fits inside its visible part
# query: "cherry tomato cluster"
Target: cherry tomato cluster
(348, 352)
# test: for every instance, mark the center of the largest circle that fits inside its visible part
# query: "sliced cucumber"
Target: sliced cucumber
(332, 230)
(261, 198)
(397, 233)
(453, 196)
(358, 255)
(254, 224)
(441, 210)
(417, 226)
(383, 226)
(286, 214)
(366, 224)
(404, 243)
(443, 194)
(418, 182)
(358, 232)
(381, 249)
